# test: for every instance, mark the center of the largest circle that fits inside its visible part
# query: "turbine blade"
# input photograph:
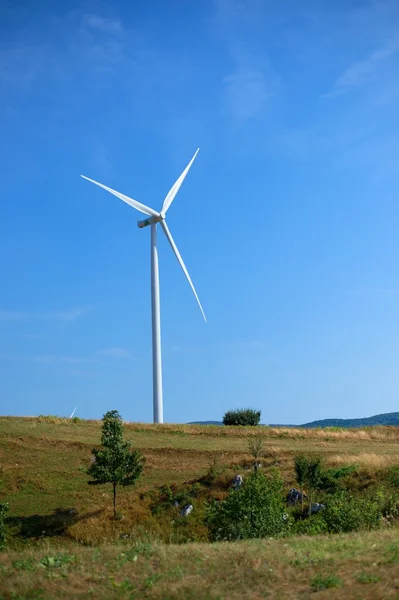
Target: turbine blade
(137, 205)
(176, 186)
(183, 266)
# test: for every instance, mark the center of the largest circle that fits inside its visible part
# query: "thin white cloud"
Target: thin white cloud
(69, 314)
(361, 72)
(247, 92)
(253, 80)
(102, 24)
(116, 352)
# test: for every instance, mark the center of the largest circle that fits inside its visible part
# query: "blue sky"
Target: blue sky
(288, 220)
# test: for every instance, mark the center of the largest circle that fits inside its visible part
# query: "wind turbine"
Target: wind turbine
(153, 219)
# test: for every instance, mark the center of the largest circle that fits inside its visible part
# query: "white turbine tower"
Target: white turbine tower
(155, 218)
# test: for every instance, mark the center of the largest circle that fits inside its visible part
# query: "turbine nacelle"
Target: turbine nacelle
(149, 221)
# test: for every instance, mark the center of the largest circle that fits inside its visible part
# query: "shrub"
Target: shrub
(308, 472)
(314, 525)
(330, 478)
(345, 512)
(393, 476)
(242, 416)
(3, 513)
(255, 510)
(301, 467)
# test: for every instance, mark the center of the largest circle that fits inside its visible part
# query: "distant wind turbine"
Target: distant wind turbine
(153, 219)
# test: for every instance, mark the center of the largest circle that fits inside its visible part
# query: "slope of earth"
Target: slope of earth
(43, 460)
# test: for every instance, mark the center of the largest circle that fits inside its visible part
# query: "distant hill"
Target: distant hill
(384, 419)
(205, 423)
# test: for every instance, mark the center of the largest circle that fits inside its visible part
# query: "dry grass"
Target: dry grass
(364, 459)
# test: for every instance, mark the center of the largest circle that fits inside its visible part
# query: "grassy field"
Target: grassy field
(62, 541)
(358, 566)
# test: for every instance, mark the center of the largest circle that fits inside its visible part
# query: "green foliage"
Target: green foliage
(24, 565)
(255, 510)
(364, 577)
(3, 513)
(308, 472)
(313, 525)
(321, 582)
(54, 562)
(313, 477)
(345, 512)
(301, 469)
(389, 505)
(393, 476)
(115, 462)
(330, 478)
(242, 416)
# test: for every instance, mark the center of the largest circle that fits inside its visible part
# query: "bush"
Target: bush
(345, 512)
(255, 510)
(3, 512)
(242, 416)
(331, 478)
(314, 525)
(393, 476)
(308, 472)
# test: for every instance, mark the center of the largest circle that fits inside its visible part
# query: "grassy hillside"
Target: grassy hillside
(359, 566)
(54, 511)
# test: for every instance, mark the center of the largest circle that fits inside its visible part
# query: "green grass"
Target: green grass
(298, 568)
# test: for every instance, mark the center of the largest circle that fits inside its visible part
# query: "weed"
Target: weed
(49, 562)
(320, 582)
(364, 577)
(24, 565)
(151, 579)
(29, 595)
(392, 553)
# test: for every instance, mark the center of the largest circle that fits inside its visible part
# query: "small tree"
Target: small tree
(301, 469)
(115, 462)
(313, 478)
(242, 416)
(255, 447)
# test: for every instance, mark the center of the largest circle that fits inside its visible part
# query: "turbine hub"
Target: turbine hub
(149, 221)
